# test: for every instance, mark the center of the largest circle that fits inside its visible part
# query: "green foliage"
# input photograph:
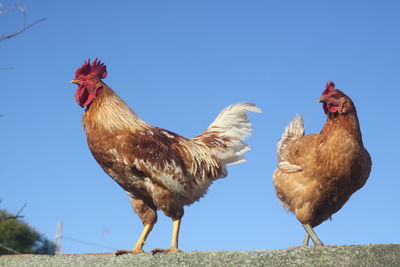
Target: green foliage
(19, 236)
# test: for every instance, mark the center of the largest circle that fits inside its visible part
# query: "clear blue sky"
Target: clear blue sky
(177, 64)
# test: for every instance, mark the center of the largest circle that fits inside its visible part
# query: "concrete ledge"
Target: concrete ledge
(367, 255)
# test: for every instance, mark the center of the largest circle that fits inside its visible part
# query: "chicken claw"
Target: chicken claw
(139, 244)
(174, 242)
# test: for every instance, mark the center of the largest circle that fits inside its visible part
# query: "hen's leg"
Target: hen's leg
(148, 216)
(306, 239)
(175, 236)
(312, 234)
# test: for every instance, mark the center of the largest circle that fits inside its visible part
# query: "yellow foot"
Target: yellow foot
(169, 250)
(134, 251)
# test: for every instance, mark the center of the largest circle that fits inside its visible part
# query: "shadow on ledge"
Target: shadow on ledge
(366, 255)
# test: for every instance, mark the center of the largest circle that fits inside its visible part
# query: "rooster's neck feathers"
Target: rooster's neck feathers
(110, 113)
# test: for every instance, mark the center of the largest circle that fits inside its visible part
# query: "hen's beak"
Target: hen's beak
(322, 99)
(76, 82)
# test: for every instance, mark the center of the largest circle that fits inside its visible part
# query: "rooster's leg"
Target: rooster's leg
(142, 239)
(306, 239)
(175, 234)
(138, 248)
(312, 234)
(174, 240)
(148, 216)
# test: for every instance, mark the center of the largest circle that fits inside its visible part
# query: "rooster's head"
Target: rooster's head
(88, 78)
(335, 101)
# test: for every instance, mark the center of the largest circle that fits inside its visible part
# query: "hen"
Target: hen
(157, 168)
(317, 173)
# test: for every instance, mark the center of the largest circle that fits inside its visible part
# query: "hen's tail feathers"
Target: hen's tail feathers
(293, 131)
(226, 134)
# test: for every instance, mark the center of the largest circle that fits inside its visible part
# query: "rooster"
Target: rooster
(159, 169)
(318, 173)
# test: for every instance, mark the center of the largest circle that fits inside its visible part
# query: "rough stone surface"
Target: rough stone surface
(367, 255)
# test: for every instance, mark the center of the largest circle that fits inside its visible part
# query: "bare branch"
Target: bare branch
(6, 10)
(9, 249)
(16, 216)
(4, 37)
(20, 6)
(20, 210)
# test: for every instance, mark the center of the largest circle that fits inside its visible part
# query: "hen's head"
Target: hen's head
(88, 78)
(335, 101)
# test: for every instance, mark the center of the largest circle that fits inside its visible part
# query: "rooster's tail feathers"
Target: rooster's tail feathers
(226, 134)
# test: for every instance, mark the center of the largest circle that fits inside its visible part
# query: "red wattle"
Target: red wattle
(83, 97)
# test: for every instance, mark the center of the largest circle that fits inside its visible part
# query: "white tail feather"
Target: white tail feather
(232, 124)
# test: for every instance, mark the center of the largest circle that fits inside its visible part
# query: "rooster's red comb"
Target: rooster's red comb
(97, 68)
(330, 86)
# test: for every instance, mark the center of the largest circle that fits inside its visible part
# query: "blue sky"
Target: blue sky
(178, 64)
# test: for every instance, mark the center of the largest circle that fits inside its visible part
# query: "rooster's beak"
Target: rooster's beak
(76, 81)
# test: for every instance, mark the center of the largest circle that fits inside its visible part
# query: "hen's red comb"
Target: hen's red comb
(330, 86)
(97, 68)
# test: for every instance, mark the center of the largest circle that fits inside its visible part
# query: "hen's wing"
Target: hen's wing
(296, 152)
